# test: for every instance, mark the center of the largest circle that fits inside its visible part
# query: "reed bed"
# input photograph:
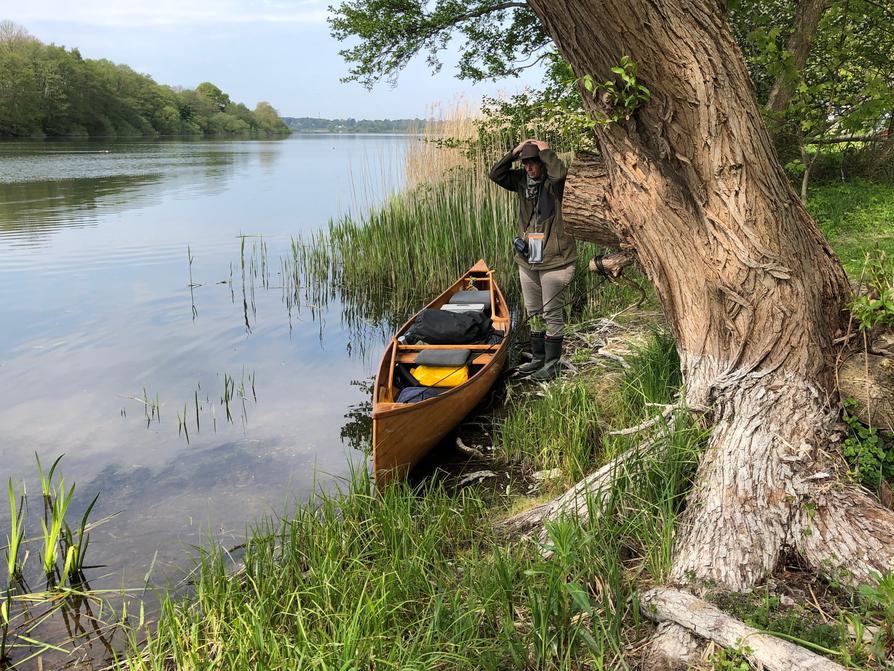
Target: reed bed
(399, 255)
(60, 552)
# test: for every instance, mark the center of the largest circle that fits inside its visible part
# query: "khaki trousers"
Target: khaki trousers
(545, 293)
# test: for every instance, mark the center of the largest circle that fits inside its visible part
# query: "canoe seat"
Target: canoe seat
(444, 357)
(463, 307)
(467, 297)
(410, 357)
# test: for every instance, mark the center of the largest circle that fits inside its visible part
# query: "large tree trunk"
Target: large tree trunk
(749, 285)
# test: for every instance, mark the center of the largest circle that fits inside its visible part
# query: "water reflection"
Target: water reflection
(357, 429)
(150, 296)
(30, 211)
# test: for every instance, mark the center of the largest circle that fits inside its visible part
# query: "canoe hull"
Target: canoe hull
(403, 433)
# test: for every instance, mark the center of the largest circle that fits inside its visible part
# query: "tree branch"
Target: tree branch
(764, 651)
(843, 140)
(586, 212)
(596, 489)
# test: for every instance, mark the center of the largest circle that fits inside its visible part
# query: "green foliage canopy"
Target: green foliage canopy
(501, 38)
(47, 90)
(847, 84)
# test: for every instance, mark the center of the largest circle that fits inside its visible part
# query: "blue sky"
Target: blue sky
(274, 50)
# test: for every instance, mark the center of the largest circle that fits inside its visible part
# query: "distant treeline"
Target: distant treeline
(46, 90)
(310, 125)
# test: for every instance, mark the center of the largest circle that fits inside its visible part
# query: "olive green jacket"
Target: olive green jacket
(559, 248)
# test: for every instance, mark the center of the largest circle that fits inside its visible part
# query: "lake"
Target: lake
(148, 338)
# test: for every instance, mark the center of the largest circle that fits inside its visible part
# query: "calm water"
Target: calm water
(98, 314)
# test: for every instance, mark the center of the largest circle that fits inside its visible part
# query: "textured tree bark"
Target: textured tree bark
(751, 289)
(762, 650)
(585, 210)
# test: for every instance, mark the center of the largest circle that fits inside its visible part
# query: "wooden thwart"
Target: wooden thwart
(410, 357)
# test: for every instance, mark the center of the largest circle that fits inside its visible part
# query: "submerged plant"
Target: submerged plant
(52, 528)
(15, 537)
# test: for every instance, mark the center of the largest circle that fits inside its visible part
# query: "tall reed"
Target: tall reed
(15, 538)
(384, 265)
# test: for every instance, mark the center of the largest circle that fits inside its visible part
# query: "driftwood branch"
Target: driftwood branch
(761, 650)
(649, 423)
(596, 488)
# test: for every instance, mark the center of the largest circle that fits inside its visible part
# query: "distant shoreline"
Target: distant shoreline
(351, 126)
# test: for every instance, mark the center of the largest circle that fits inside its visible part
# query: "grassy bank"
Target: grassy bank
(420, 578)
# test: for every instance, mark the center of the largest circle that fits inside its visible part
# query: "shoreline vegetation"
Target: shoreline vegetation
(48, 91)
(315, 125)
(427, 576)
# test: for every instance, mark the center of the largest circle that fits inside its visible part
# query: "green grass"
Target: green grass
(856, 216)
(418, 578)
(560, 429)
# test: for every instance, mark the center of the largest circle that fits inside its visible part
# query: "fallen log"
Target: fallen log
(762, 650)
(595, 489)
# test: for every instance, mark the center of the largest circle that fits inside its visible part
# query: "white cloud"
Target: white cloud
(112, 13)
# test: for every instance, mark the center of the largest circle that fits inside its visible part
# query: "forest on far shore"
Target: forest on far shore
(50, 91)
(319, 125)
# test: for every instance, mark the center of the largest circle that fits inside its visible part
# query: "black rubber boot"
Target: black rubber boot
(537, 352)
(552, 364)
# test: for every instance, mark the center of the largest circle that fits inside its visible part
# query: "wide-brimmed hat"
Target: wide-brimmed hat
(529, 151)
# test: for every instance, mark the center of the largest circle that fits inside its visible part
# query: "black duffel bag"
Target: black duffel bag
(440, 327)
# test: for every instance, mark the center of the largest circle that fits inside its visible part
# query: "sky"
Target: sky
(274, 50)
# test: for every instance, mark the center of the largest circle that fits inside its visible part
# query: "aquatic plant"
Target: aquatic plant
(76, 546)
(15, 537)
(402, 253)
(59, 499)
(62, 561)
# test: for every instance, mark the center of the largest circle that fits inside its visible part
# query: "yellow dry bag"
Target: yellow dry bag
(440, 376)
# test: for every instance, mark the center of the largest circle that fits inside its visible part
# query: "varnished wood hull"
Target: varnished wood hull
(403, 433)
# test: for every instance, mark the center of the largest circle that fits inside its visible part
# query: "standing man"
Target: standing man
(545, 253)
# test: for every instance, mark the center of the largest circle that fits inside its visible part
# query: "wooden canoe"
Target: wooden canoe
(404, 432)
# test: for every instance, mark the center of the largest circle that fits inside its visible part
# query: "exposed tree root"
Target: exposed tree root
(673, 648)
(698, 616)
(845, 535)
